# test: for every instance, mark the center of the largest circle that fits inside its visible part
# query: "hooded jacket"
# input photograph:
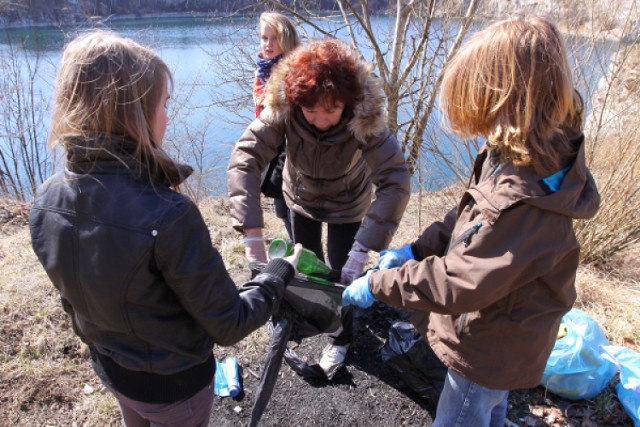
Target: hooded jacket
(328, 176)
(491, 282)
(138, 274)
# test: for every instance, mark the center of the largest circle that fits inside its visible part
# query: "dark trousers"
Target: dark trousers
(282, 212)
(340, 238)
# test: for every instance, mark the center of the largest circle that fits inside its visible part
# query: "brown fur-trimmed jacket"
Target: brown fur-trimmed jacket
(491, 282)
(328, 176)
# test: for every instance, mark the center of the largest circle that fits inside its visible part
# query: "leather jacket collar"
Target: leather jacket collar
(89, 153)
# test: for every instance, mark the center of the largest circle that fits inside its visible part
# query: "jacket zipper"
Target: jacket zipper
(317, 160)
(465, 237)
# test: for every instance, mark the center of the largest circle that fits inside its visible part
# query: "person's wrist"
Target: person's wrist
(368, 295)
(359, 252)
(408, 252)
(253, 235)
(359, 247)
(253, 232)
(282, 268)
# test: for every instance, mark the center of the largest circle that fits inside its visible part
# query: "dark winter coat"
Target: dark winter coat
(137, 272)
(497, 275)
(328, 176)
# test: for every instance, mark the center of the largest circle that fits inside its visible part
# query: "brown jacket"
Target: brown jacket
(328, 176)
(490, 303)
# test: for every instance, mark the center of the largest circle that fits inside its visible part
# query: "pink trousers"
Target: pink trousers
(191, 412)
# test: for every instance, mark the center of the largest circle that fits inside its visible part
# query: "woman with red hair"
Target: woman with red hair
(325, 104)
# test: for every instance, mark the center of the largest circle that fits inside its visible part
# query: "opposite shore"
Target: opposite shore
(617, 20)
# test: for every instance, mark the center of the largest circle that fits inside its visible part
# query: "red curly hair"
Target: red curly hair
(323, 72)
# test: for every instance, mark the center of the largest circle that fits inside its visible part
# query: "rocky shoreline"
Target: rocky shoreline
(91, 20)
(62, 13)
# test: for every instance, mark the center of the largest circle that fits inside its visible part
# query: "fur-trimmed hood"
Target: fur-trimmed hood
(369, 112)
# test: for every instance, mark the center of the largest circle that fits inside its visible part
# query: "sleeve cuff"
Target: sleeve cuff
(359, 247)
(280, 268)
(417, 255)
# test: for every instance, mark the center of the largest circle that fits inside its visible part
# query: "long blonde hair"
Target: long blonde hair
(511, 83)
(283, 26)
(112, 86)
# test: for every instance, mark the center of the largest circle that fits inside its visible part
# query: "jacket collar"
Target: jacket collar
(333, 136)
(104, 153)
(498, 185)
(368, 118)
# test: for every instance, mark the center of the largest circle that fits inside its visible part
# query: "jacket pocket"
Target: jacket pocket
(510, 304)
(460, 325)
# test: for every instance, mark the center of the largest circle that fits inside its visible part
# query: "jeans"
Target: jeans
(464, 403)
(191, 412)
(340, 238)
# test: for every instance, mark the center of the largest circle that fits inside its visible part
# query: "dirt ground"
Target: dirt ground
(365, 392)
(369, 392)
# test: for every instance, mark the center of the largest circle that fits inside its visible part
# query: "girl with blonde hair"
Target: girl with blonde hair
(278, 37)
(132, 258)
(488, 286)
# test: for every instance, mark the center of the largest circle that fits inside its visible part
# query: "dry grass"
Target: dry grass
(612, 299)
(43, 365)
(613, 145)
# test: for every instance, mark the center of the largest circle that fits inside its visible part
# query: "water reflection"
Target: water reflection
(212, 61)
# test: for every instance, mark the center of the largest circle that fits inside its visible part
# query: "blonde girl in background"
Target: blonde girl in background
(278, 36)
(131, 257)
(489, 285)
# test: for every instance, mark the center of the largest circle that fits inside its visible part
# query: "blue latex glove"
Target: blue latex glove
(390, 258)
(358, 292)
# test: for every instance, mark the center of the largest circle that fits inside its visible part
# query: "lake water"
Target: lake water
(212, 62)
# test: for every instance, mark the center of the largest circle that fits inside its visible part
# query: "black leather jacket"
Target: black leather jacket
(135, 265)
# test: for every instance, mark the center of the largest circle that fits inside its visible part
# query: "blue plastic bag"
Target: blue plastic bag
(576, 369)
(628, 389)
(226, 381)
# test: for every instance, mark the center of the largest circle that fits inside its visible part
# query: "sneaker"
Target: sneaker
(333, 358)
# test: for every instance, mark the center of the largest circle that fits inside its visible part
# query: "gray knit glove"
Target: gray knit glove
(354, 267)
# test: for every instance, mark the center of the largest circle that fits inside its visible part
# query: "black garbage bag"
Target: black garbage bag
(311, 306)
(407, 352)
(280, 333)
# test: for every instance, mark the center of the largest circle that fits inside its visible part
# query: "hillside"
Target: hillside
(25, 13)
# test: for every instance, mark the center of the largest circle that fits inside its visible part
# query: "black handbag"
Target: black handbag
(272, 181)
